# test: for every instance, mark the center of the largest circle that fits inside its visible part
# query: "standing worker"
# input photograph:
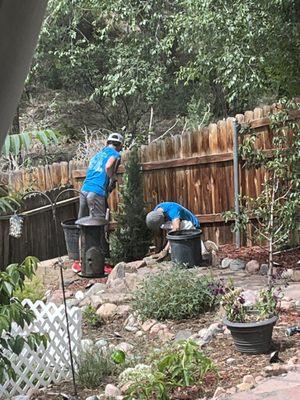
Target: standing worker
(171, 216)
(100, 181)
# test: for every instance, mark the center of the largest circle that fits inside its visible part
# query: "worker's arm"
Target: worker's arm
(175, 227)
(110, 167)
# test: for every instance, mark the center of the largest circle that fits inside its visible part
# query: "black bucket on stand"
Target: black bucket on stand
(186, 247)
(71, 232)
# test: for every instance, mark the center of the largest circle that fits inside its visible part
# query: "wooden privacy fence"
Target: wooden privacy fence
(44, 177)
(196, 170)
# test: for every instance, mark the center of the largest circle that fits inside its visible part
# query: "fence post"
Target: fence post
(236, 179)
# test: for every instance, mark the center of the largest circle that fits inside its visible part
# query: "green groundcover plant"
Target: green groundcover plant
(174, 294)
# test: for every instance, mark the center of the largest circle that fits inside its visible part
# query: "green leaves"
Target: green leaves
(15, 143)
(118, 357)
(178, 365)
(13, 312)
(174, 294)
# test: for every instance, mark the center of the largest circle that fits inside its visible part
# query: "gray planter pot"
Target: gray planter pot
(252, 337)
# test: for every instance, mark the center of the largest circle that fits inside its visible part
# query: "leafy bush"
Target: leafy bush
(33, 289)
(13, 312)
(131, 239)
(180, 365)
(90, 316)
(174, 294)
(93, 366)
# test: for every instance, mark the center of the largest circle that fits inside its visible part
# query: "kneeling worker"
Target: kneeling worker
(171, 216)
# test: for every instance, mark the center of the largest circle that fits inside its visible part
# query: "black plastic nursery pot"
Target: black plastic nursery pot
(71, 232)
(252, 337)
(186, 247)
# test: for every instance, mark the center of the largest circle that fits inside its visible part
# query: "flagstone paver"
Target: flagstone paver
(275, 388)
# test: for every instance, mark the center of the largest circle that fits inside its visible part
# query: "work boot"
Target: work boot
(76, 267)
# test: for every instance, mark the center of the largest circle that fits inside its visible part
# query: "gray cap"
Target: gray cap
(155, 219)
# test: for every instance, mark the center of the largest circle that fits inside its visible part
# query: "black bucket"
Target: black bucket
(186, 247)
(71, 232)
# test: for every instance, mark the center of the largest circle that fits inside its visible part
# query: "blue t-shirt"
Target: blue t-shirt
(174, 210)
(97, 179)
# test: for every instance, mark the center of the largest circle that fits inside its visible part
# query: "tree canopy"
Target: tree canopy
(180, 57)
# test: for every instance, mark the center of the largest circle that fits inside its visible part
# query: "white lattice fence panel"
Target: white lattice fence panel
(38, 369)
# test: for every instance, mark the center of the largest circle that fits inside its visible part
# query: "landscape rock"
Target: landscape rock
(147, 325)
(219, 393)
(79, 295)
(232, 390)
(237, 265)
(274, 370)
(124, 346)
(131, 324)
(118, 285)
(263, 269)
(149, 261)
(230, 360)
(243, 387)
(94, 397)
(156, 328)
(165, 335)
(72, 302)
(86, 344)
(215, 259)
(252, 267)
(100, 343)
(132, 281)
(296, 275)
(139, 333)
(107, 311)
(118, 272)
(20, 397)
(123, 310)
(112, 391)
(96, 300)
(206, 334)
(287, 274)
(249, 379)
(211, 246)
(115, 297)
(96, 288)
(226, 263)
(183, 334)
(134, 265)
(33, 392)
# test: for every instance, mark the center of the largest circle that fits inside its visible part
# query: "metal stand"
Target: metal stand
(236, 179)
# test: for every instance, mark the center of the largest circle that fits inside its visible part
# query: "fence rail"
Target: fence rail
(194, 169)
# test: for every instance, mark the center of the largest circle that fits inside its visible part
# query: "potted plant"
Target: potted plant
(251, 326)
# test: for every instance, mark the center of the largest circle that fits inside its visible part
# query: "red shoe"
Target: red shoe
(76, 267)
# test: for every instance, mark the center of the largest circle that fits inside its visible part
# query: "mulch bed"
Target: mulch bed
(285, 259)
(232, 365)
